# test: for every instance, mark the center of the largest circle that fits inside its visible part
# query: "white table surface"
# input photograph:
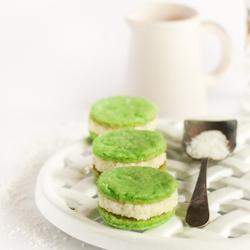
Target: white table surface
(57, 58)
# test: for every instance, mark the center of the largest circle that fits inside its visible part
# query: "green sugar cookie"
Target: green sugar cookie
(92, 135)
(137, 185)
(123, 111)
(120, 222)
(129, 145)
(137, 197)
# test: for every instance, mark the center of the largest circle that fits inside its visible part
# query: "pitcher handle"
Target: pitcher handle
(227, 49)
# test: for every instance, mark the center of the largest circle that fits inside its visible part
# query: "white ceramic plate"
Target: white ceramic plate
(66, 182)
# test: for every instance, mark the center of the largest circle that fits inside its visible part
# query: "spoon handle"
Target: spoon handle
(198, 211)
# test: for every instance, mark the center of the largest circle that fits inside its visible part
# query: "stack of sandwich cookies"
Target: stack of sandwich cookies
(122, 112)
(137, 198)
(128, 147)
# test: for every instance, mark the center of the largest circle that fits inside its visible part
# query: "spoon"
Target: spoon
(198, 210)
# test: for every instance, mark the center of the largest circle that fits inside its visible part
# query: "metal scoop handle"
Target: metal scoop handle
(198, 211)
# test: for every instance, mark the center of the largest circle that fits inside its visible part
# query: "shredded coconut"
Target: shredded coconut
(212, 144)
(99, 129)
(139, 211)
(103, 165)
(17, 202)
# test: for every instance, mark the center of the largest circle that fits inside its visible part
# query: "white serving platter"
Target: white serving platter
(65, 184)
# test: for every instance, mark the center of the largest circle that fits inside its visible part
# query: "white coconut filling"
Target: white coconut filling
(98, 129)
(139, 212)
(104, 165)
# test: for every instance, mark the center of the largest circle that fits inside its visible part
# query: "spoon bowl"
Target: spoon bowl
(198, 210)
(193, 128)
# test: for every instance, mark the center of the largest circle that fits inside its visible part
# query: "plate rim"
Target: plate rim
(112, 238)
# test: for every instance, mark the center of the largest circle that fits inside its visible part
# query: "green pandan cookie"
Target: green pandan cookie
(129, 145)
(92, 135)
(120, 222)
(136, 185)
(123, 111)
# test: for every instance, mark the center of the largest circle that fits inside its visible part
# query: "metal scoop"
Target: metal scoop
(198, 211)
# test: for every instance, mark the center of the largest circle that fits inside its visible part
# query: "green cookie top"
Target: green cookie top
(123, 111)
(136, 185)
(129, 145)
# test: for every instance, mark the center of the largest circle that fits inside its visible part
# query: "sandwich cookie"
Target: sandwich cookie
(128, 147)
(136, 198)
(122, 112)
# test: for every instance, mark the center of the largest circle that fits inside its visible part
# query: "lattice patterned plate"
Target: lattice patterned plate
(66, 182)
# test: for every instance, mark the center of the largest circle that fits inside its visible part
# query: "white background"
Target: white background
(58, 57)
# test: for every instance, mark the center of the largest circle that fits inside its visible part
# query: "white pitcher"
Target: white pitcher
(165, 60)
